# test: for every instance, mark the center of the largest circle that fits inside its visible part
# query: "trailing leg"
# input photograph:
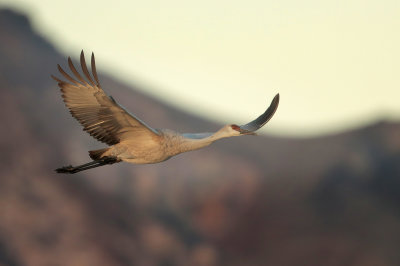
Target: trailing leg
(96, 163)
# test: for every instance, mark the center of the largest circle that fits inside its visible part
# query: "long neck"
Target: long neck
(199, 140)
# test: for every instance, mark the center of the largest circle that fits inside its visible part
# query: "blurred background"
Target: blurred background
(320, 186)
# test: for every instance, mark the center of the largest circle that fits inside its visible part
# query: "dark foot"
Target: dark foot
(66, 169)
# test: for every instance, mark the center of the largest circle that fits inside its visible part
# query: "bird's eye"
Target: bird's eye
(235, 127)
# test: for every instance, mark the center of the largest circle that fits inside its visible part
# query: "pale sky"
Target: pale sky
(336, 64)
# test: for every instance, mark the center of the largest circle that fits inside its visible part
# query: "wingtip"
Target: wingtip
(56, 79)
(92, 60)
(276, 98)
(59, 68)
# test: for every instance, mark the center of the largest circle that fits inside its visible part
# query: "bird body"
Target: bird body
(167, 145)
(129, 138)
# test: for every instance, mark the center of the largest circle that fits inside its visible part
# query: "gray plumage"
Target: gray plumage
(129, 138)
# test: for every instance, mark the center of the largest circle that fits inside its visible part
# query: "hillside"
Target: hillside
(330, 200)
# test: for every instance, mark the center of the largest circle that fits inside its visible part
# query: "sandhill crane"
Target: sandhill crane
(129, 138)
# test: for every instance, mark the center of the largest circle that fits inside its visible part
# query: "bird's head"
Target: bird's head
(237, 130)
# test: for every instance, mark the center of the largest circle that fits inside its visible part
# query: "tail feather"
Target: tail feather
(96, 154)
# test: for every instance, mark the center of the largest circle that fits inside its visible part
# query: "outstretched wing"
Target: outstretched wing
(100, 115)
(262, 119)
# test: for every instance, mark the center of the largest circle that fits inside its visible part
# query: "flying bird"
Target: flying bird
(129, 138)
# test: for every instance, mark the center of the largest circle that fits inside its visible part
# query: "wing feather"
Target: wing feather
(100, 115)
(66, 75)
(93, 66)
(76, 73)
(264, 118)
(85, 69)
